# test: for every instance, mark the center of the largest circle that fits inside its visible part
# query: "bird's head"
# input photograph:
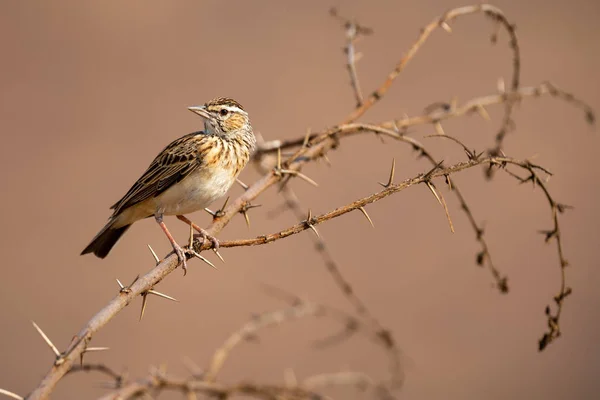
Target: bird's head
(223, 116)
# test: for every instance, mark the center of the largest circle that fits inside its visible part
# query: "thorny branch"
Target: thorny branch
(383, 335)
(316, 146)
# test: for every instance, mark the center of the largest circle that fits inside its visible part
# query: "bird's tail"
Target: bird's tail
(105, 240)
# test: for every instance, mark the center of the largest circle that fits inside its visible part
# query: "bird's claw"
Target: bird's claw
(207, 236)
(182, 256)
(213, 240)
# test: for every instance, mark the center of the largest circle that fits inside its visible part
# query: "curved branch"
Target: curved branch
(442, 21)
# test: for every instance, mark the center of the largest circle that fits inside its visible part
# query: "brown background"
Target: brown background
(91, 91)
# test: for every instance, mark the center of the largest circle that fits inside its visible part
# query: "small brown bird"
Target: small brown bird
(188, 175)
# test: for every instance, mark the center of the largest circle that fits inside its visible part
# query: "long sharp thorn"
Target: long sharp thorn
(10, 394)
(447, 215)
(433, 191)
(195, 254)
(218, 255)
(214, 214)
(446, 27)
(438, 129)
(483, 112)
(134, 281)
(247, 218)
(279, 158)
(364, 212)
(46, 339)
(442, 202)
(224, 205)
(242, 184)
(144, 303)
(432, 170)
(300, 175)
(120, 284)
(306, 138)
(391, 179)
(89, 349)
(164, 296)
(310, 225)
(154, 254)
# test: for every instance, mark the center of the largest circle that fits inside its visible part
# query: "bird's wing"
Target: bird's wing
(174, 163)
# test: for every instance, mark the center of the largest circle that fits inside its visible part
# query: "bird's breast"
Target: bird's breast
(196, 191)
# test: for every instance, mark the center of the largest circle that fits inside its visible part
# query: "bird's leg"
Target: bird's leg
(176, 248)
(201, 232)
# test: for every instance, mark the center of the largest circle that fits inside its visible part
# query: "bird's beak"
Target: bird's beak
(201, 111)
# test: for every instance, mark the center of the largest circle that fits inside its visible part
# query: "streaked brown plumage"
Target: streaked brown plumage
(186, 176)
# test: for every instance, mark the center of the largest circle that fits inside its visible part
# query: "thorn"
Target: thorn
(445, 26)
(242, 184)
(391, 178)
(279, 158)
(364, 212)
(214, 214)
(144, 302)
(327, 160)
(448, 182)
(427, 176)
(219, 255)
(299, 175)
(432, 188)
(155, 293)
(195, 254)
(442, 202)
(164, 296)
(438, 129)
(310, 224)
(244, 210)
(90, 349)
(126, 289)
(153, 255)
(10, 394)
(482, 112)
(46, 339)
(306, 138)
(219, 212)
(246, 218)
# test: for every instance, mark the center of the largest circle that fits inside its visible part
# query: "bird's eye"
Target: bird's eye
(224, 111)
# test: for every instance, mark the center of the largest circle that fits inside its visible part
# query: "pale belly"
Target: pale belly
(193, 193)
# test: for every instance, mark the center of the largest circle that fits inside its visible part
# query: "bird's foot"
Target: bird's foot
(204, 235)
(182, 254)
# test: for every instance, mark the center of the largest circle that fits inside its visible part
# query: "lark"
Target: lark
(186, 176)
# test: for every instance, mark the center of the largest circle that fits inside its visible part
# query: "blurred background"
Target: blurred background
(91, 91)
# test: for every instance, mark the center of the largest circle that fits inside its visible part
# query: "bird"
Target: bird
(186, 176)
